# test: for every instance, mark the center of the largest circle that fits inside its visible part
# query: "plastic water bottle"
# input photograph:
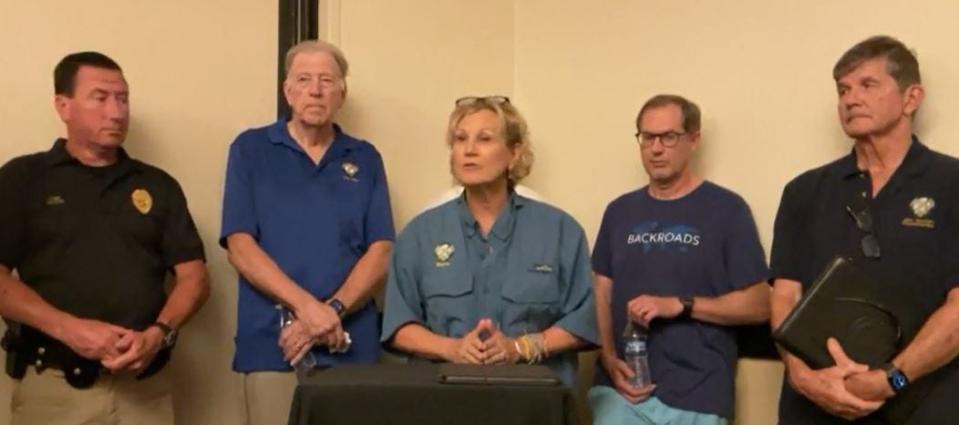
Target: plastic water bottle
(634, 353)
(308, 362)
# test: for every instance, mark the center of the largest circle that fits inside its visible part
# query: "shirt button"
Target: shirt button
(77, 371)
(863, 194)
(41, 350)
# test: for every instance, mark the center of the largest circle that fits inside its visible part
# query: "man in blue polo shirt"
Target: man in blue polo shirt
(307, 224)
(681, 259)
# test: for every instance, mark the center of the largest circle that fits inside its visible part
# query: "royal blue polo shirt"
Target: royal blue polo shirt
(315, 221)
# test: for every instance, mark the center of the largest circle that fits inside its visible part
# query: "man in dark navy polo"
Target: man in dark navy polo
(890, 205)
(307, 223)
(91, 235)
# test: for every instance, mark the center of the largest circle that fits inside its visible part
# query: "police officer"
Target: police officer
(91, 234)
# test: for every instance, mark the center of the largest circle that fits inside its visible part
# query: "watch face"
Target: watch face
(898, 381)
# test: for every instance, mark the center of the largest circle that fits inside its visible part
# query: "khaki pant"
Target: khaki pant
(267, 397)
(47, 399)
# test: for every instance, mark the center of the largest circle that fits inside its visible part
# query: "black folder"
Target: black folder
(872, 319)
(450, 373)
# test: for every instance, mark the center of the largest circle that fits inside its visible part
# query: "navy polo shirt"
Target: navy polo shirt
(315, 221)
(916, 219)
(704, 244)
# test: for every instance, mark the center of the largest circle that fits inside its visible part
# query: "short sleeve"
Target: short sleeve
(950, 240)
(602, 253)
(579, 308)
(404, 303)
(239, 208)
(787, 259)
(379, 216)
(12, 215)
(744, 257)
(181, 241)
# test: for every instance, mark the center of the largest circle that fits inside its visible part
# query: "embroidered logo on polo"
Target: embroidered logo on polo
(142, 201)
(350, 170)
(921, 207)
(54, 200)
(653, 234)
(542, 268)
(443, 253)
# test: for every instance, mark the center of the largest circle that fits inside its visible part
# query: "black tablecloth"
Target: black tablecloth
(412, 394)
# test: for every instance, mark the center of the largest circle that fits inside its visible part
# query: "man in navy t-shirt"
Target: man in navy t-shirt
(680, 259)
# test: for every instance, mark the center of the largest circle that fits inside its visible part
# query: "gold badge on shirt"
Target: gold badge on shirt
(443, 253)
(142, 201)
(350, 170)
(921, 207)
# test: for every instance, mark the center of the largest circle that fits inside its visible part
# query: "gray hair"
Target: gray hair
(318, 46)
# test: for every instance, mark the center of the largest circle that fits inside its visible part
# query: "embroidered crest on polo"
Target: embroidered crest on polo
(443, 253)
(542, 268)
(350, 169)
(142, 201)
(922, 205)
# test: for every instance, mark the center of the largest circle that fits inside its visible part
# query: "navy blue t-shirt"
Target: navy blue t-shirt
(703, 244)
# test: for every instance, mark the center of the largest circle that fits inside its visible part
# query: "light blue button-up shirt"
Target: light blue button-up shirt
(530, 273)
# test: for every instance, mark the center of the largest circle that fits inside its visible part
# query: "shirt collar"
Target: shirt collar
(913, 164)
(279, 134)
(58, 155)
(503, 227)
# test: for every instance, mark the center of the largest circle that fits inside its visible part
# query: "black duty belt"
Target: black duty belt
(30, 347)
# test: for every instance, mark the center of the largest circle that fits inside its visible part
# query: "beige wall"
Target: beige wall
(201, 71)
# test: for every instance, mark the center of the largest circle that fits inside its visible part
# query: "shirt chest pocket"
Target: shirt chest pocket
(448, 302)
(532, 299)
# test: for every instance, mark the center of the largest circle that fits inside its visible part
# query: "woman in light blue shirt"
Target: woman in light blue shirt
(491, 277)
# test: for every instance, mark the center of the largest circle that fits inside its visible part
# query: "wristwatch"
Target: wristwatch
(897, 380)
(687, 303)
(169, 334)
(338, 307)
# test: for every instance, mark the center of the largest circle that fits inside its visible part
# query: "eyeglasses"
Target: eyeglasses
(669, 139)
(864, 221)
(490, 100)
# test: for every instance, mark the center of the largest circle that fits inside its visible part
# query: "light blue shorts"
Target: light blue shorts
(610, 408)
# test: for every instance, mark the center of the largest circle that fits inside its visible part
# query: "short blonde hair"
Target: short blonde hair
(515, 133)
(317, 46)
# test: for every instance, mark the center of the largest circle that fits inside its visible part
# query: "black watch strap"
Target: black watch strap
(897, 380)
(338, 307)
(687, 303)
(169, 334)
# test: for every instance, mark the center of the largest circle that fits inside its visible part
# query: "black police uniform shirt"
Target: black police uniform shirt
(916, 221)
(95, 242)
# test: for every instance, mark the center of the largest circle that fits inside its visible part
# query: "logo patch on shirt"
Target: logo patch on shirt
(542, 268)
(443, 253)
(142, 201)
(350, 170)
(54, 200)
(921, 207)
